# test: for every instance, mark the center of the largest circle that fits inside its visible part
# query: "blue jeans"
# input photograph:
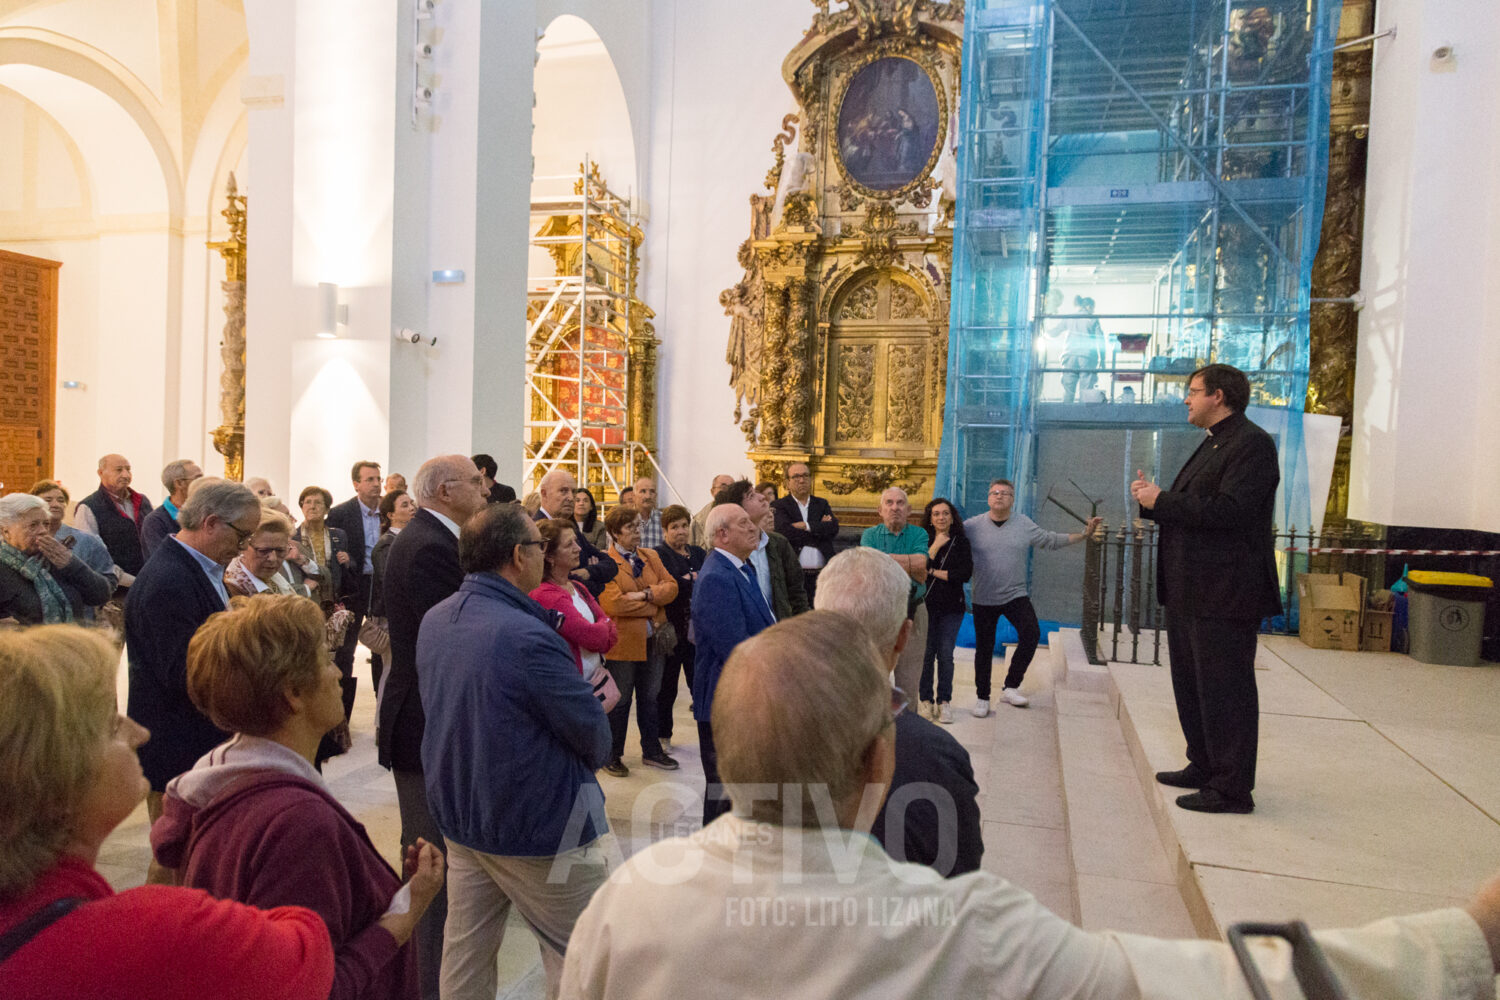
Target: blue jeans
(942, 635)
(643, 679)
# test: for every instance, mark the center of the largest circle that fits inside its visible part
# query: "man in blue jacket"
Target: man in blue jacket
(728, 608)
(513, 737)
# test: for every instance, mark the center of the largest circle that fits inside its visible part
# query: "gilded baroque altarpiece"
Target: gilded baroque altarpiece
(838, 343)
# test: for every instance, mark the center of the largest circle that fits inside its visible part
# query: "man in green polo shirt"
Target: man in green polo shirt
(907, 544)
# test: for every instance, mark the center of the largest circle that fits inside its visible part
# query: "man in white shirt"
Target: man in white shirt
(808, 522)
(789, 896)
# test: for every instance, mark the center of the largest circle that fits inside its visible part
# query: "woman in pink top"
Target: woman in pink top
(588, 631)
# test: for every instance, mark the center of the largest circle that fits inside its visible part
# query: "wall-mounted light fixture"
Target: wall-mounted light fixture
(448, 276)
(331, 313)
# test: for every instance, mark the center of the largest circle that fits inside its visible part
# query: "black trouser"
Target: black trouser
(810, 583)
(1213, 681)
(1022, 617)
(417, 821)
(679, 663)
(715, 802)
(344, 656)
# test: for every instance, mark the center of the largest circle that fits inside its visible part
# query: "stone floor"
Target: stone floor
(1070, 812)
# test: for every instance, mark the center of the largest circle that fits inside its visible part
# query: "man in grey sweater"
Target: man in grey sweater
(1001, 540)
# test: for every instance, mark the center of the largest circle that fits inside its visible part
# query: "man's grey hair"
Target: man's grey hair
(218, 497)
(434, 473)
(868, 586)
(175, 471)
(556, 476)
(16, 505)
(795, 711)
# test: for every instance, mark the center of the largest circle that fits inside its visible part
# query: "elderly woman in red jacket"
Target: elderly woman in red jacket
(253, 820)
(589, 632)
(68, 776)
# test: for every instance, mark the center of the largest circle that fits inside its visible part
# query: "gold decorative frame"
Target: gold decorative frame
(888, 48)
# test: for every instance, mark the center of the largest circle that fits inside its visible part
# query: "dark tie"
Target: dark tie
(749, 572)
(636, 565)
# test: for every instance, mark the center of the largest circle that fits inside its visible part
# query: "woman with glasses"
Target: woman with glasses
(261, 565)
(41, 580)
(326, 549)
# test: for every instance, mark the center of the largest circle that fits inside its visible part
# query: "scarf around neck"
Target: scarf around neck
(55, 605)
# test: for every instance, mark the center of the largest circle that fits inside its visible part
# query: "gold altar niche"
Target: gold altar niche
(838, 344)
(590, 347)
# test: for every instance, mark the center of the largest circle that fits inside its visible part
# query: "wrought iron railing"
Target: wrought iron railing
(1123, 621)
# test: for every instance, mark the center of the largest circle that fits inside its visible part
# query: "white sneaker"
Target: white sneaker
(981, 708)
(927, 710)
(1013, 697)
(945, 714)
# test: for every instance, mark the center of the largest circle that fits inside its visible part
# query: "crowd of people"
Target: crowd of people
(511, 643)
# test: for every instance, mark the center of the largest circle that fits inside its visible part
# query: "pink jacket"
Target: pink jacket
(598, 636)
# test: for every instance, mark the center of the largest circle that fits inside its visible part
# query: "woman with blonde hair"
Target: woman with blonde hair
(68, 776)
(254, 821)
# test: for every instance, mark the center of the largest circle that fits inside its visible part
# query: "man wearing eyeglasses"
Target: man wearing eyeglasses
(1002, 540)
(1216, 576)
(808, 522)
(175, 592)
(421, 570)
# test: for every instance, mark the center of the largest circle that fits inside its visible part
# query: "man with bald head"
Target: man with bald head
(116, 513)
(787, 897)
(905, 543)
(728, 607)
(595, 568)
(700, 520)
(421, 570)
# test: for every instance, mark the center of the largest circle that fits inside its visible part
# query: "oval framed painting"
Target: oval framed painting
(891, 119)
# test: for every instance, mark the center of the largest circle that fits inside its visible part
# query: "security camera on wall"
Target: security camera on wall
(409, 336)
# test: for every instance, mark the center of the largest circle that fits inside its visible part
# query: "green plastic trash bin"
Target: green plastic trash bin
(1447, 616)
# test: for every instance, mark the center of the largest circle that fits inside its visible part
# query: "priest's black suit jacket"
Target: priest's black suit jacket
(1216, 557)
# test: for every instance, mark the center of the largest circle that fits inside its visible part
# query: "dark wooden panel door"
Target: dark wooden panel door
(28, 368)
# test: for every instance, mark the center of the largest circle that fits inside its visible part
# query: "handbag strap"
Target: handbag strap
(21, 934)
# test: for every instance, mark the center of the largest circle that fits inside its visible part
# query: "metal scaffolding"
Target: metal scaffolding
(1166, 158)
(578, 378)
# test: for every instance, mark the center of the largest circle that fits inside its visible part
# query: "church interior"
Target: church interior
(909, 243)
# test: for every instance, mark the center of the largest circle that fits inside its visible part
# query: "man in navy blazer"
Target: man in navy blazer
(175, 592)
(808, 522)
(359, 519)
(1216, 576)
(728, 608)
(421, 570)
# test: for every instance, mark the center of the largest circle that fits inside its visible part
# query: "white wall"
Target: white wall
(718, 99)
(1427, 388)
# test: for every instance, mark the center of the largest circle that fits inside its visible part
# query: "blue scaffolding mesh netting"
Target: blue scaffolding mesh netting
(1141, 187)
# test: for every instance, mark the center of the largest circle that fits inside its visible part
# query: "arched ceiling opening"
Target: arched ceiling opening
(580, 110)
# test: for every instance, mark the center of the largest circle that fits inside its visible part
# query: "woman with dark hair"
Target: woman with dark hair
(683, 561)
(586, 516)
(950, 563)
(588, 631)
(69, 775)
(254, 822)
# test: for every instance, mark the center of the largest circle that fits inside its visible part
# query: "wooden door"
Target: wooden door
(28, 368)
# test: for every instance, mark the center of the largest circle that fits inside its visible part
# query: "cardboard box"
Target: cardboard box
(1375, 635)
(1331, 608)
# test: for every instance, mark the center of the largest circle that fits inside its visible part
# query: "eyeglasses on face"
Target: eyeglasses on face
(241, 536)
(279, 551)
(536, 541)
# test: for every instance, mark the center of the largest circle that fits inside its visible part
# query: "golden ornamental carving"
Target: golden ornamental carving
(906, 302)
(907, 375)
(815, 315)
(856, 414)
(229, 436)
(875, 479)
(862, 302)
